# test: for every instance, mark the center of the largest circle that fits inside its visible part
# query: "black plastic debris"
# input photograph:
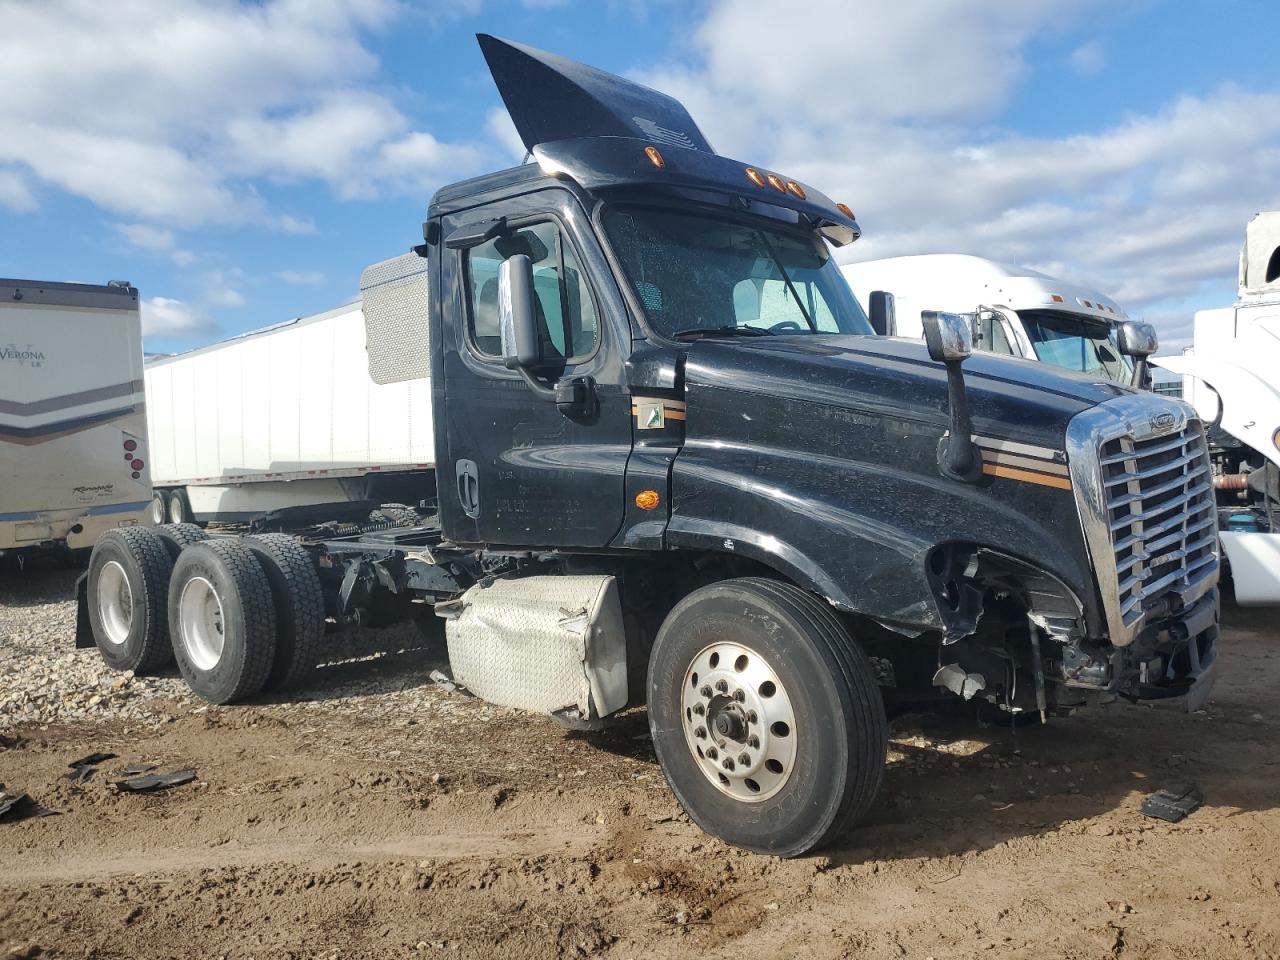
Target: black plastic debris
(20, 806)
(155, 781)
(135, 769)
(83, 768)
(1173, 803)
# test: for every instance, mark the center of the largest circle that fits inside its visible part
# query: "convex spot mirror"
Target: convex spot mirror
(516, 320)
(1137, 339)
(949, 336)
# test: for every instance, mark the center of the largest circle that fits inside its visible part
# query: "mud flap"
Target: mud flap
(84, 630)
(547, 644)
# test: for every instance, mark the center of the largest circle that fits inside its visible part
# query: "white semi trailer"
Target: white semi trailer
(287, 417)
(1022, 313)
(73, 433)
(1231, 375)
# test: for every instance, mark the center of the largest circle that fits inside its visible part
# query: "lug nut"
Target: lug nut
(699, 709)
(728, 763)
(739, 695)
(701, 733)
(722, 686)
(711, 753)
(753, 742)
(744, 759)
(706, 691)
(751, 716)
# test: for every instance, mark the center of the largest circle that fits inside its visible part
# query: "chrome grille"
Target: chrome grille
(1140, 470)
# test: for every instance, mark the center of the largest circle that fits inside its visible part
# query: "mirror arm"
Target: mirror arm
(958, 456)
(540, 389)
(1139, 371)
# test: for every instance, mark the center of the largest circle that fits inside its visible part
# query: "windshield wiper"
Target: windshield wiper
(697, 333)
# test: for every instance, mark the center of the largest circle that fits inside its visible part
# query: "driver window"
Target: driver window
(566, 314)
(994, 339)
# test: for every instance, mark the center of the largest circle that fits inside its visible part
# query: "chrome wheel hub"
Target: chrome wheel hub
(115, 603)
(201, 622)
(738, 722)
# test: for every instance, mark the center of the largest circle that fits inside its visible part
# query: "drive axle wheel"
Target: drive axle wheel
(766, 716)
(128, 584)
(222, 620)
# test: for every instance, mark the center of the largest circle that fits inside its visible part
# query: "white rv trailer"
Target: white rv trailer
(287, 417)
(73, 432)
(1031, 314)
(1231, 375)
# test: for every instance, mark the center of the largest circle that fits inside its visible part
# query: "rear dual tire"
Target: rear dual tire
(222, 618)
(766, 716)
(129, 573)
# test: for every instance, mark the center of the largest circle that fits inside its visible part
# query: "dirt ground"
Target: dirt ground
(382, 815)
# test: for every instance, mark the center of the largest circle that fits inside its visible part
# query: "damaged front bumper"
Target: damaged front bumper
(1174, 656)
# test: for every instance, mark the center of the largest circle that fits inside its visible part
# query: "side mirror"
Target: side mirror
(1137, 340)
(883, 317)
(516, 321)
(949, 336)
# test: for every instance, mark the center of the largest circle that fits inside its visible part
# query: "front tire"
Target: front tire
(766, 716)
(128, 587)
(222, 620)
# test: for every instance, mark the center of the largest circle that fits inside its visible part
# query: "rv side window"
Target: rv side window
(566, 313)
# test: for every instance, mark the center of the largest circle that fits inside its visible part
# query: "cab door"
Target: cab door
(521, 470)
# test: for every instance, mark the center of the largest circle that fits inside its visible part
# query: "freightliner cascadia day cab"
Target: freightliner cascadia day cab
(73, 436)
(283, 418)
(1019, 312)
(1231, 375)
(677, 469)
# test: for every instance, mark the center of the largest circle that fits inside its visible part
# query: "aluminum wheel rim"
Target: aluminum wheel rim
(738, 722)
(201, 622)
(157, 510)
(115, 603)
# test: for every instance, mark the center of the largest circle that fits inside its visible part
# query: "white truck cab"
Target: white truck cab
(1023, 313)
(1230, 376)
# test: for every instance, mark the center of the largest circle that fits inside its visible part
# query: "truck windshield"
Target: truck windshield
(1076, 343)
(695, 273)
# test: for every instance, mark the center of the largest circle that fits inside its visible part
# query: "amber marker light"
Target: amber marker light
(775, 181)
(655, 157)
(795, 189)
(754, 176)
(1057, 298)
(844, 208)
(1275, 438)
(648, 499)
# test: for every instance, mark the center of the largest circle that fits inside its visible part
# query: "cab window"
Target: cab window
(566, 315)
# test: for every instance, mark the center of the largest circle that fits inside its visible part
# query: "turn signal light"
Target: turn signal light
(655, 157)
(648, 499)
(754, 176)
(136, 464)
(795, 189)
(131, 445)
(775, 181)
(844, 208)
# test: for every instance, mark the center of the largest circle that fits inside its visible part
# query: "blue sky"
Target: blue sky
(241, 162)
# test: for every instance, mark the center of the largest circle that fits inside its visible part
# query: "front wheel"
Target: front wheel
(765, 716)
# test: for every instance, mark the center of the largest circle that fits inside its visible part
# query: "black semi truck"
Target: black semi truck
(677, 467)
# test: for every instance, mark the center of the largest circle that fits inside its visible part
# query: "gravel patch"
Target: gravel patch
(44, 680)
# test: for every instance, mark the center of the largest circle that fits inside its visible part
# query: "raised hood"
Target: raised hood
(552, 98)
(895, 377)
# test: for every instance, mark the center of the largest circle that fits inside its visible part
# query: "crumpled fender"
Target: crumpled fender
(1248, 396)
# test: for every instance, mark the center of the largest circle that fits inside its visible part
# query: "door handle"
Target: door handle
(468, 477)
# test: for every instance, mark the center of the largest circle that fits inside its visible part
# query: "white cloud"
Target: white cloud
(1087, 59)
(892, 109)
(166, 317)
(170, 114)
(302, 278)
(145, 236)
(226, 297)
(15, 193)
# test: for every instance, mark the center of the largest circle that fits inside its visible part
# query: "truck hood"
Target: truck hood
(888, 376)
